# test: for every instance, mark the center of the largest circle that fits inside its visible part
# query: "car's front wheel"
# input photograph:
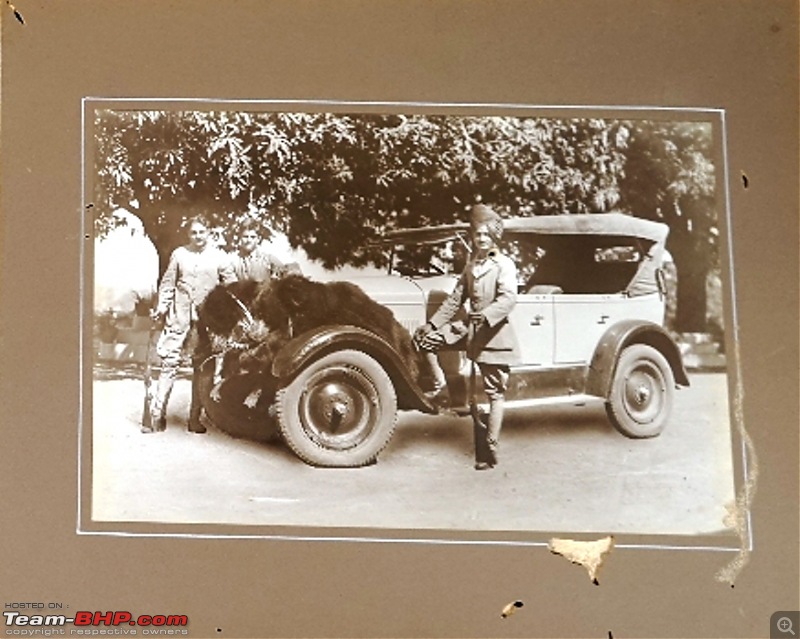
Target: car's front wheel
(339, 411)
(642, 392)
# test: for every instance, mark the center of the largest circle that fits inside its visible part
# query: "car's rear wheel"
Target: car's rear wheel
(339, 411)
(642, 392)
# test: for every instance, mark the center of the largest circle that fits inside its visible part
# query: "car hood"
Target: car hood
(412, 301)
(398, 289)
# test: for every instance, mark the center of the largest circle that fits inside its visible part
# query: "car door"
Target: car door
(534, 325)
(582, 319)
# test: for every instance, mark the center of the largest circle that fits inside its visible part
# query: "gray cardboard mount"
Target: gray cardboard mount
(740, 57)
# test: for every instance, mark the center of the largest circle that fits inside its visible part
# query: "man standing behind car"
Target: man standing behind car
(489, 284)
(193, 270)
(253, 262)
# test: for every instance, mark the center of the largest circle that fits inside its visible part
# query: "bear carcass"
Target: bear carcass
(243, 325)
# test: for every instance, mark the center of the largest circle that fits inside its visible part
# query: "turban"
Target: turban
(482, 215)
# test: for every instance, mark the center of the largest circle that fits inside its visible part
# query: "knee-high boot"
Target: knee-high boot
(196, 406)
(480, 432)
(494, 424)
(158, 410)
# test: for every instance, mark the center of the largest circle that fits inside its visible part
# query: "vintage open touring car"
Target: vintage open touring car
(589, 320)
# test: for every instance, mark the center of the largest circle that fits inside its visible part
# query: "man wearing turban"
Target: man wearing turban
(488, 287)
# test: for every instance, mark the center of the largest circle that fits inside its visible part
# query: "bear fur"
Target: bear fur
(280, 309)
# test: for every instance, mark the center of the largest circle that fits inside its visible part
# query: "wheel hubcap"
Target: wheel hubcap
(644, 393)
(339, 407)
(336, 406)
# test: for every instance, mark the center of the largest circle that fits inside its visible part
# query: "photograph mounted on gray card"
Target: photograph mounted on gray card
(408, 316)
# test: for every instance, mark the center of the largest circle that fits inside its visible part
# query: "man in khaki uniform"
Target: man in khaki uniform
(488, 285)
(192, 272)
(253, 262)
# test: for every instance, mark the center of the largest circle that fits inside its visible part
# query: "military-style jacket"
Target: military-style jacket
(491, 288)
(189, 278)
(258, 265)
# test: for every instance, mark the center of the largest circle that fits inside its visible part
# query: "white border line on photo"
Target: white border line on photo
(443, 105)
(379, 103)
(735, 320)
(399, 540)
(82, 310)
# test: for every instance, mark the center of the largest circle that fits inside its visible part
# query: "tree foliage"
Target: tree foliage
(669, 176)
(333, 182)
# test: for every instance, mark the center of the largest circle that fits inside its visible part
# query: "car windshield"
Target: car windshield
(420, 257)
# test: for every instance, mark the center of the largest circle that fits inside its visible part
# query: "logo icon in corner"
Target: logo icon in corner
(784, 624)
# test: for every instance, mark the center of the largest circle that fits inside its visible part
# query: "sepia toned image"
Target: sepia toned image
(400, 319)
(287, 327)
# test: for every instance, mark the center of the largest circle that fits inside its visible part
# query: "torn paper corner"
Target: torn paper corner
(738, 512)
(589, 554)
(734, 518)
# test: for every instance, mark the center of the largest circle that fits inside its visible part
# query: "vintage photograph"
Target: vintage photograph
(409, 318)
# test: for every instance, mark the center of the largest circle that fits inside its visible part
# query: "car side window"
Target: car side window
(574, 264)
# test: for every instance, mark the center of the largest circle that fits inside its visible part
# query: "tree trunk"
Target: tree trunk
(692, 273)
(163, 231)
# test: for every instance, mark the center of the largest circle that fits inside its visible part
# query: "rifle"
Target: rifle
(478, 427)
(147, 418)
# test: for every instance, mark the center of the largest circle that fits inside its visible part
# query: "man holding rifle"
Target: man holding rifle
(192, 272)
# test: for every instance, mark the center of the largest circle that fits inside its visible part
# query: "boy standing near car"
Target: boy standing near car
(193, 270)
(488, 287)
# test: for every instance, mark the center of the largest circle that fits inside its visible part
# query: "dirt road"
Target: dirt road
(561, 469)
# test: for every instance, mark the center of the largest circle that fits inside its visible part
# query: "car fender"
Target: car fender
(313, 344)
(618, 337)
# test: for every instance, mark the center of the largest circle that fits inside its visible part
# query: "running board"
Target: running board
(579, 399)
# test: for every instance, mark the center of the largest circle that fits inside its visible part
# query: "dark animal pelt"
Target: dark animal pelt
(303, 304)
(220, 313)
(282, 309)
